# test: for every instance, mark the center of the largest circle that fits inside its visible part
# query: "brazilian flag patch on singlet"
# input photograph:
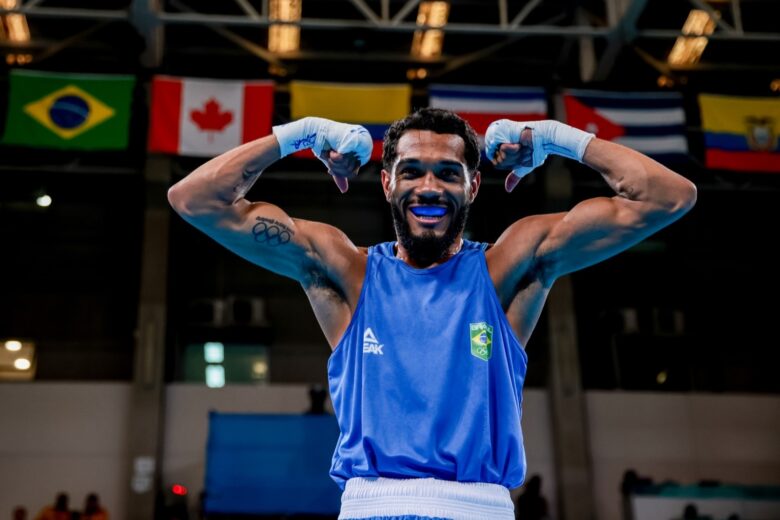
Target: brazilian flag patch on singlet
(481, 340)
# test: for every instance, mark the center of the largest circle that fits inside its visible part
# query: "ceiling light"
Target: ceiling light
(14, 25)
(687, 50)
(215, 376)
(43, 201)
(427, 43)
(18, 59)
(283, 38)
(414, 74)
(260, 369)
(213, 352)
(13, 345)
(22, 364)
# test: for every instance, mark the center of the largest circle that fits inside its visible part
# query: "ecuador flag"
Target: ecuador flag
(76, 111)
(741, 133)
(373, 106)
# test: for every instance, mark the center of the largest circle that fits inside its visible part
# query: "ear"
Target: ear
(476, 180)
(386, 181)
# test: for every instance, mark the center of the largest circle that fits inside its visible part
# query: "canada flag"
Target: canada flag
(205, 117)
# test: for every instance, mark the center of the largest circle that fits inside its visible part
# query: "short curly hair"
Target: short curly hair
(436, 120)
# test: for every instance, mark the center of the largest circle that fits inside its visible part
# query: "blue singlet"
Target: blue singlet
(427, 380)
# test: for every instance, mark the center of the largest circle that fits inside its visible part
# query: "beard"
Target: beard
(427, 248)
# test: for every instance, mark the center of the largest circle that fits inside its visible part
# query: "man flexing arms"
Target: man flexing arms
(428, 331)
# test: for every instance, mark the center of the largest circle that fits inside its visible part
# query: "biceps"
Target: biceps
(593, 231)
(264, 235)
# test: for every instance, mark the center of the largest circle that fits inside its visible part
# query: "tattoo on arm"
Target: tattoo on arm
(248, 178)
(271, 232)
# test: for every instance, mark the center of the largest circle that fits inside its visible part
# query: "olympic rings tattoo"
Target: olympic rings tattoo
(271, 232)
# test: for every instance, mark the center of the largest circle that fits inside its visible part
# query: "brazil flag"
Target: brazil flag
(75, 111)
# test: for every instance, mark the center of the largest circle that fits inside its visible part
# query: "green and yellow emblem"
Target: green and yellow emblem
(481, 340)
(69, 111)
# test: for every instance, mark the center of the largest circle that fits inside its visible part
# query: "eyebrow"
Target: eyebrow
(446, 162)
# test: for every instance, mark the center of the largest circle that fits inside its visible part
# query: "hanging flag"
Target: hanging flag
(741, 133)
(373, 106)
(649, 122)
(480, 106)
(206, 117)
(69, 111)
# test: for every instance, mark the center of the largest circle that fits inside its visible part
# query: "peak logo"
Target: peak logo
(370, 344)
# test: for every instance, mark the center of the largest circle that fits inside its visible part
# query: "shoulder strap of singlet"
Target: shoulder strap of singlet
(383, 249)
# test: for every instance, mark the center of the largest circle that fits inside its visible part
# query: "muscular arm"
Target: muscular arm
(211, 199)
(648, 198)
(536, 250)
(320, 257)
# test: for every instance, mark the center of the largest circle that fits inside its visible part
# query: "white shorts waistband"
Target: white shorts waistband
(373, 497)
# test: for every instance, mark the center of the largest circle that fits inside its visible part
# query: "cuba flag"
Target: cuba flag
(652, 123)
(68, 111)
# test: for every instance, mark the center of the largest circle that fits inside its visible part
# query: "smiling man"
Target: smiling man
(428, 331)
(429, 212)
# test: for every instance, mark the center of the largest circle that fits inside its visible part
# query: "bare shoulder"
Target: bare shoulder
(334, 283)
(336, 256)
(518, 274)
(513, 261)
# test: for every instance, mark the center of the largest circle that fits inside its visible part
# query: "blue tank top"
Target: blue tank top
(427, 380)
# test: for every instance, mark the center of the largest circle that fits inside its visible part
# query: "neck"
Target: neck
(402, 254)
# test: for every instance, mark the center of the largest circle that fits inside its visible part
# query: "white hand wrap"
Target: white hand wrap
(548, 137)
(322, 135)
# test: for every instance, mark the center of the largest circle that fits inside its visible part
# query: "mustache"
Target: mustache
(439, 201)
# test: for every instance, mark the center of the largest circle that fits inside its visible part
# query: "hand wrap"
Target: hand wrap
(322, 135)
(548, 137)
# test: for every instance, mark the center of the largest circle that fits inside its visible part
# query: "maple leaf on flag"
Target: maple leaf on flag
(211, 118)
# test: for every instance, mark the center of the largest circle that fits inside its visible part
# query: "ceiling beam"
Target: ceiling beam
(457, 62)
(523, 14)
(63, 12)
(367, 11)
(621, 34)
(250, 46)
(663, 34)
(404, 11)
(143, 16)
(249, 9)
(503, 13)
(713, 14)
(404, 27)
(61, 45)
(736, 11)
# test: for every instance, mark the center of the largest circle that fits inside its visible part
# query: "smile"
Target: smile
(430, 215)
(428, 211)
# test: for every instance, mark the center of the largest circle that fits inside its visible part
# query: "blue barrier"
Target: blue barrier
(270, 464)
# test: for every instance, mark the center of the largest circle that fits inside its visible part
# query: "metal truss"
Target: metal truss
(620, 28)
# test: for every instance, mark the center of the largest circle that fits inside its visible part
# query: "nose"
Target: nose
(430, 187)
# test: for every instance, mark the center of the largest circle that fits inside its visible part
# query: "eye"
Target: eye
(410, 171)
(449, 173)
